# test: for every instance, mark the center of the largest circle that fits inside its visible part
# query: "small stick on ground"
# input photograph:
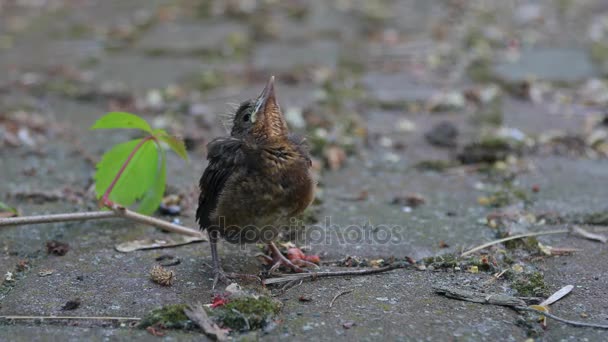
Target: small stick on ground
(563, 320)
(117, 212)
(338, 295)
(505, 300)
(96, 318)
(316, 275)
(514, 237)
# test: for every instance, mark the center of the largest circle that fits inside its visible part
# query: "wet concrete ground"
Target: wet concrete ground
(368, 78)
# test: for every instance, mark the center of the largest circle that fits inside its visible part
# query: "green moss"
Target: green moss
(489, 150)
(247, 313)
(529, 244)
(170, 316)
(442, 261)
(529, 285)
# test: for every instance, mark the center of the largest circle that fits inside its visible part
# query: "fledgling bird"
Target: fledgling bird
(257, 179)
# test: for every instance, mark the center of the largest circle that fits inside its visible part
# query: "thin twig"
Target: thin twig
(316, 275)
(514, 237)
(504, 300)
(117, 212)
(98, 318)
(338, 295)
(563, 320)
(21, 220)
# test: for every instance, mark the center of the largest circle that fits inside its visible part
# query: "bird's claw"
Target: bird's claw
(227, 278)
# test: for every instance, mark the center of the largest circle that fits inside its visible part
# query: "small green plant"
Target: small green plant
(135, 170)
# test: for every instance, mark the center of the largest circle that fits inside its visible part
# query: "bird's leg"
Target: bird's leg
(279, 260)
(218, 272)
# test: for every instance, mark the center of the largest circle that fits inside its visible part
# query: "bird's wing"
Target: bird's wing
(224, 155)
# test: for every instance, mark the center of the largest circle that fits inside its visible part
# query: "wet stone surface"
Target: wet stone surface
(364, 82)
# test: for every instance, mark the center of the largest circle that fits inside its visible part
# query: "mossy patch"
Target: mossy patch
(170, 316)
(531, 284)
(247, 313)
(489, 150)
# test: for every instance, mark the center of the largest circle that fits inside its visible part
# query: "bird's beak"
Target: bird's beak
(266, 99)
(267, 115)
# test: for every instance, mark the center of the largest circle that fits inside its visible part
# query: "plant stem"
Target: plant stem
(106, 195)
(108, 318)
(514, 237)
(316, 275)
(117, 212)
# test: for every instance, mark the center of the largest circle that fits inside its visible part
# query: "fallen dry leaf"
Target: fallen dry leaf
(45, 272)
(561, 293)
(135, 245)
(198, 315)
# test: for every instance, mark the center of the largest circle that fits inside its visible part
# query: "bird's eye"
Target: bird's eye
(246, 117)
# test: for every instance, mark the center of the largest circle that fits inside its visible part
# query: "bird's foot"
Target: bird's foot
(227, 278)
(278, 259)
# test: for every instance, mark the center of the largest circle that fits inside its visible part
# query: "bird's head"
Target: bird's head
(260, 119)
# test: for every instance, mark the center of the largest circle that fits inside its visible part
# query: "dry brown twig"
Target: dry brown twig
(315, 275)
(505, 300)
(576, 231)
(338, 295)
(92, 318)
(115, 212)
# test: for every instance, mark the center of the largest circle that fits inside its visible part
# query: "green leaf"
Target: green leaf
(121, 120)
(138, 176)
(154, 195)
(176, 144)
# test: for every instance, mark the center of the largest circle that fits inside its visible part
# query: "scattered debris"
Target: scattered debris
(361, 196)
(162, 276)
(57, 248)
(348, 324)
(45, 272)
(412, 200)
(443, 134)
(170, 205)
(71, 305)
(167, 260)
